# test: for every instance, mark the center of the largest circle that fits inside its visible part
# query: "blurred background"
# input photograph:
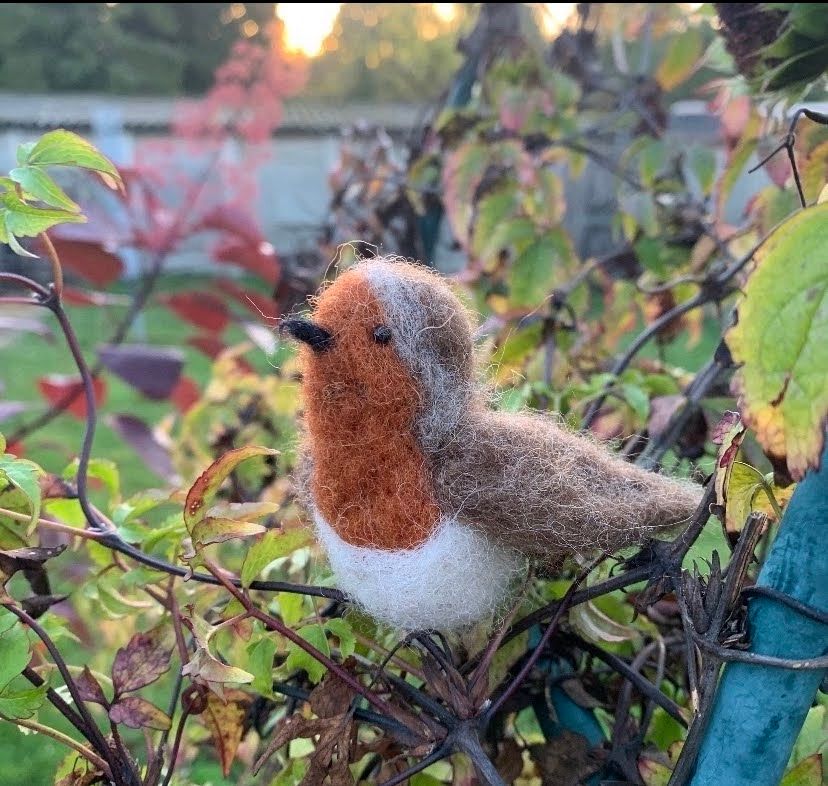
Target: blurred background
(578, 168)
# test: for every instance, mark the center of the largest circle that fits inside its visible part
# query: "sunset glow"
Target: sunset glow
(307, 25)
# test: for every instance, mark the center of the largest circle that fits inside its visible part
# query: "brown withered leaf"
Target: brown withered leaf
(565, 760)
(80, 774)
(225, 720)
(329, 761)
(138, 713)
(332, 697)
(576, 691)
(89, 688)
(37, 605)
(56, 487)
(29, 559)
(144, 659)
(509, 762)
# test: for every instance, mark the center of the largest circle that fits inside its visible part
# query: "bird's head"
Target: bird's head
(387, 341)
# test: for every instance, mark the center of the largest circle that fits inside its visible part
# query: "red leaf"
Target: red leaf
(154, 371)
(89, 259)
(227, 218)
(55, 387)
(140, 438)
(185, 394)
(261, 305)
(258, 257)
(199, 308)
(144, 659)
(209, 345)
(16, 449)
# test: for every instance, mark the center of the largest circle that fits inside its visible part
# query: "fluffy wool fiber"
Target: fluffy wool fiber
(424, 496)
(453, 579)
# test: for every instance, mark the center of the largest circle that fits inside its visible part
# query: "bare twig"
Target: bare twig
(63, 739)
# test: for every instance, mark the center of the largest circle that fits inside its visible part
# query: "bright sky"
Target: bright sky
(307, 24)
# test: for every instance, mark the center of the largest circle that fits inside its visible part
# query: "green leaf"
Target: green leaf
(702, 163)
(682, 59)
(638, 399)
(299, 659)
(534, 273)
(651, 160)
(260, 663)
(273, 545)
(743, 481)
(807, 773)
(38, 184)
(14, 653)
(101, 469)
(25, 220)
(291, 607)
(63, 148)
(781, 341)
(342, 630)
(23, 152)
(23, 475)
(292, 774)
(22, 703)
(493, 211)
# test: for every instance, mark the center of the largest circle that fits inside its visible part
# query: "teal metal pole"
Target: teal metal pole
(759, 711)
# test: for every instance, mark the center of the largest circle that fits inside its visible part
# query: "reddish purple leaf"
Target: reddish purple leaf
(138, 713)
(261, 305)
(720, 430)
(202, 309)
(259, 257)
(154, 371)
(55, 387)
(234, 221)
(186, 394)
(140, 438)
(209, 345)
(142, 661)
(89, 688)
(89, 259)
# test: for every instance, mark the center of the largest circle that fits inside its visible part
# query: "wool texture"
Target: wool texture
(370, 479)
(402, 453)
(452, 580)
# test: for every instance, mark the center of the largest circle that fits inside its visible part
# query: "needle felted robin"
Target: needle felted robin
(427, 502)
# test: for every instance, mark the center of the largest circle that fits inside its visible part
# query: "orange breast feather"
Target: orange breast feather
(370, 479)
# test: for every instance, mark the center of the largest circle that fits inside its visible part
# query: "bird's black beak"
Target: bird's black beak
(317, 338)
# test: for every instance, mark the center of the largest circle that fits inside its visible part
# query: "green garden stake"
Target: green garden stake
(759, 711)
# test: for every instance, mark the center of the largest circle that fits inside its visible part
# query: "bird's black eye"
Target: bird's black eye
(382, 334)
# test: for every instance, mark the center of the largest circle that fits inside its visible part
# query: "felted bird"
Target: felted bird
(427, 502)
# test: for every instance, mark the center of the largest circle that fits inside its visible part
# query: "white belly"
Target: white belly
(454, 579)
